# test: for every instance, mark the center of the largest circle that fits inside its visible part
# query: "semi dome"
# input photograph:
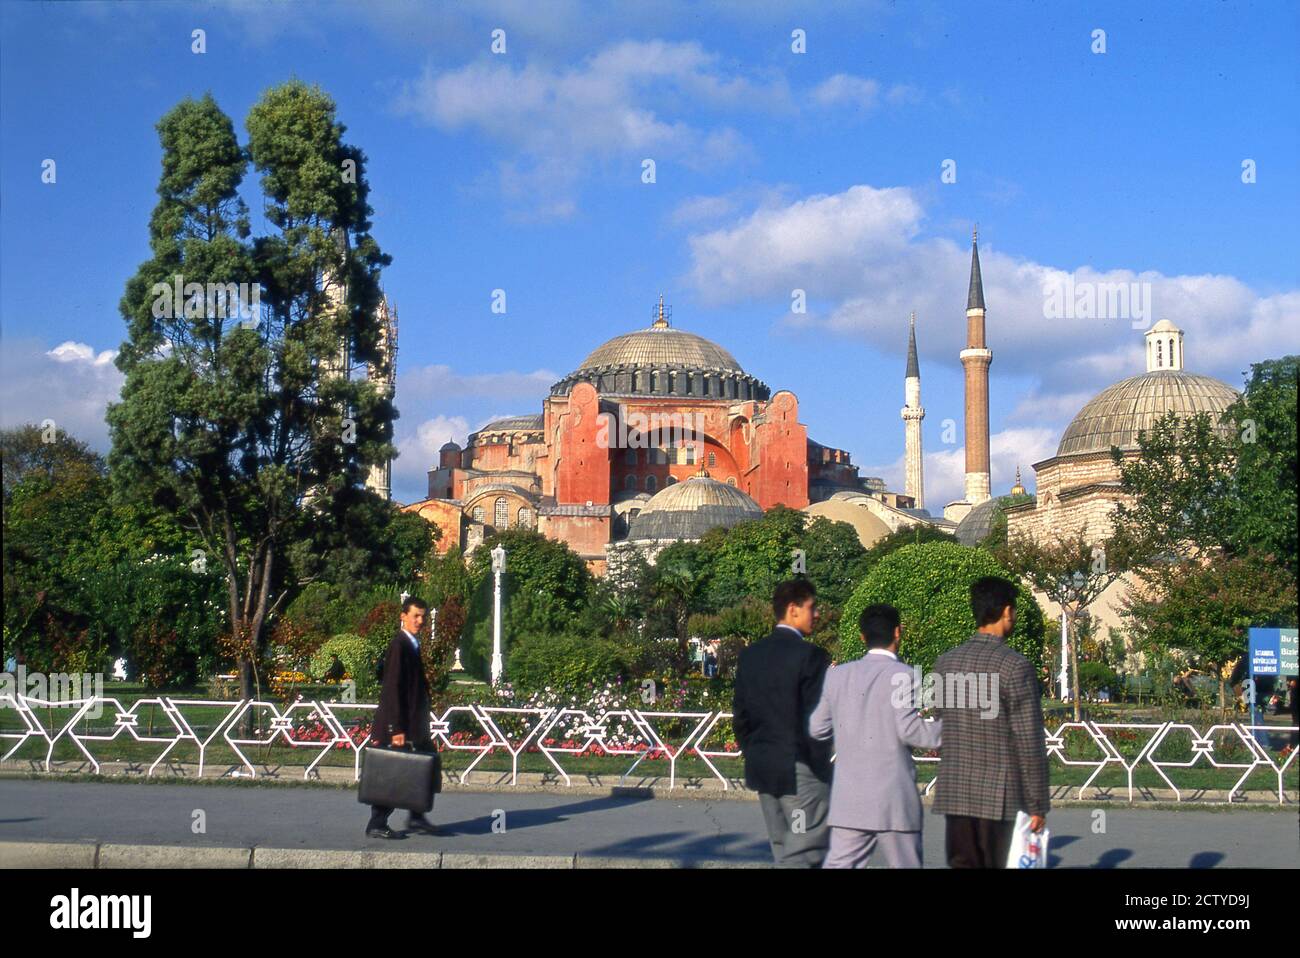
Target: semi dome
(1115, 415)
(690, 508)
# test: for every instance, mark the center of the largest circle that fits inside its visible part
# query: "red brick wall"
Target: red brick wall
(583, 469)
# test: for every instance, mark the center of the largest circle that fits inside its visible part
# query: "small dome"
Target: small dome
(1116, 414)
(976, 525)
(513, 424)
(449, 446)
(869, 527)
(688, 509)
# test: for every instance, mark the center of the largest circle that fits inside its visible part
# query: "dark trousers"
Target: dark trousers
(379, 816)
(977, 842)
(796, 824)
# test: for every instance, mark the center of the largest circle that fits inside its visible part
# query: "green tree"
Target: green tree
(1204, 609)
(251, 429)
(1072, 571)
(930, 584)
(544, 589)
(1264, 420)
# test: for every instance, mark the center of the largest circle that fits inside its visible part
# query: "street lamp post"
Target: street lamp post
(498, 566)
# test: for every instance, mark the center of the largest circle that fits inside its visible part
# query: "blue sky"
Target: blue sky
(775, 171)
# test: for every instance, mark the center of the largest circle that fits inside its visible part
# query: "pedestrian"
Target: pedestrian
(993, 760)
(870, 707)
(402, 718)
(778, 683)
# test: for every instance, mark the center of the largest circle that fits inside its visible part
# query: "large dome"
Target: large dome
(690, 508)
(662, 361)
(1115, 415)
(661, 346)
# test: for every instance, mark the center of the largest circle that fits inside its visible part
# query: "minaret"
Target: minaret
(383, 374)
(913, 413)
(976, 358)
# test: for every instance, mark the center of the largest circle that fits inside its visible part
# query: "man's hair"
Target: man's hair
(877, 624)
(989, 595)
(414, 600)
(797, 591)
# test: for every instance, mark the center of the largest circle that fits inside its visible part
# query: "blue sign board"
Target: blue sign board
(1273, 651)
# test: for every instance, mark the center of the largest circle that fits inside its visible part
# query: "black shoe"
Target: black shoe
(382, 831)
(422, 826)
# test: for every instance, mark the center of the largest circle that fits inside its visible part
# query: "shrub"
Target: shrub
(359, 656)
(563, 662)
(929, 584)
(1095, 676)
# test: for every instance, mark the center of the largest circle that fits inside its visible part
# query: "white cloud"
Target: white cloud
(945, 467)
(426, 384)
(418, 452)
(860, 93)
(623, 103)
(72, 384)
(864, 266)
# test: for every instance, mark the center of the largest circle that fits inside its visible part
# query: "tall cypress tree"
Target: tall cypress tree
(251, 426)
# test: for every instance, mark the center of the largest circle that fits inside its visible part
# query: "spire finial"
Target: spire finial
(913, 366)
(975, 234)
(661, 313)
(975, 295)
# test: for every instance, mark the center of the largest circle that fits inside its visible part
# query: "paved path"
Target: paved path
(557, 824)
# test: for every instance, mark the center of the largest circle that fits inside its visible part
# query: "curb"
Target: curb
(96, 855)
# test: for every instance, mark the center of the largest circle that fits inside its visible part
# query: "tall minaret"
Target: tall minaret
(976, 358)
(913, 413)
(383, 374)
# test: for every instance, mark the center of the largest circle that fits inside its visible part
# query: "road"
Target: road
(688, 829)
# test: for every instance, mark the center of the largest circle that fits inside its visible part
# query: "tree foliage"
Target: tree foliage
(930, 584)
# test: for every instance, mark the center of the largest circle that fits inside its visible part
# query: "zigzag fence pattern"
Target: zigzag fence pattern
(556, 733)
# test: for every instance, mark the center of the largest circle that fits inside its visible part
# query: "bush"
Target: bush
(929, 584)
(359, 656)
(1095, 676)
(563, 663)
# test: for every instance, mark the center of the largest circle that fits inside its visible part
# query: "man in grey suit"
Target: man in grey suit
(993, 762)
(870, 708)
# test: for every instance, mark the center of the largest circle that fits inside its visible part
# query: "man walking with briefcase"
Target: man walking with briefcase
(391, 778)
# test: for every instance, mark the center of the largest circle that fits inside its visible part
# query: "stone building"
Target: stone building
(644, 411)
(1079, 487)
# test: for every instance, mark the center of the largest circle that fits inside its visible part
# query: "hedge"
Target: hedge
(930, 584)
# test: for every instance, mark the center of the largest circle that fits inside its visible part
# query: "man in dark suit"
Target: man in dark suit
(778, 684)
(993, 759)
(402, 718)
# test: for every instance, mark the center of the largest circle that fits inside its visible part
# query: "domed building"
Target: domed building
(683, 512)
(1079, 486)
(639, 417)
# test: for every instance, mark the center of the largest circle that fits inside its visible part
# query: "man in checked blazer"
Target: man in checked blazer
(993, 760)
(870, 707)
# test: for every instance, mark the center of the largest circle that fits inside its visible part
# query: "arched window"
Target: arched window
(650, 484)
(1159, 358)
(478, 514)
(690, 454)
(525, 518)
(713, 460)
(1171, 352)
(671, 480)
(629, 483)
(501, 514)
(731, 480)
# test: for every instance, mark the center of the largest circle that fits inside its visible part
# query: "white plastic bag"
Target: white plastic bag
(1028, 849)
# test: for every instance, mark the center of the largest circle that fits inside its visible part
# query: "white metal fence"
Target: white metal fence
(564, 731)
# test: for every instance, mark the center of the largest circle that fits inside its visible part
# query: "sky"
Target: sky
(834, 153)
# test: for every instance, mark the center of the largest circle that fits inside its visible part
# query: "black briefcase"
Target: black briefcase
(399, 778)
